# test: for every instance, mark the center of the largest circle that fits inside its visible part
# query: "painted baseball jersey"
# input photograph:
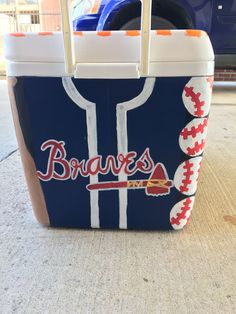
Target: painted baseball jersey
(116, 153)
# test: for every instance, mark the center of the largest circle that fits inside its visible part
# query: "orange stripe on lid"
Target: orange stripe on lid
(193, 33)
(17, 34)
(132, 33)
(45, 33)
(78, 33)
(164, 32)
(104, 33)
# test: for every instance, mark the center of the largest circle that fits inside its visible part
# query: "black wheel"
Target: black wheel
(157, 23)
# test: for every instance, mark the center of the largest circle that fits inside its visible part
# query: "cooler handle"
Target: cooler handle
(67, 38)
(146, 20)
(67, 31)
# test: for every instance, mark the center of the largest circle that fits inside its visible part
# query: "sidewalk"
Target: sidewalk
(77, 271)
(8, 142)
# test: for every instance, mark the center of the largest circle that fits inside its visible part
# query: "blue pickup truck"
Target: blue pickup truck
(217, 17)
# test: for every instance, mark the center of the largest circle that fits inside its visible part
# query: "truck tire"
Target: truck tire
(157, 23)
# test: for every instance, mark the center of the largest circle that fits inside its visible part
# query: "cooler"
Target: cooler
(111, 132)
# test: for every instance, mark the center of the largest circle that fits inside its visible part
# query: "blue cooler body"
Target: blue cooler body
(110, 150)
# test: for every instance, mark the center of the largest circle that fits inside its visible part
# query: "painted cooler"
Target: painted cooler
(108, 149)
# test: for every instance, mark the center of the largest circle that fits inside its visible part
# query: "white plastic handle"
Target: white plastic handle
(145, 38)
(67, 38)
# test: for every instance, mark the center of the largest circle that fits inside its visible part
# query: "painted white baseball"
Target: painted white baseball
(186, 176)
(193, 137)
(197, 96)
(181, 212)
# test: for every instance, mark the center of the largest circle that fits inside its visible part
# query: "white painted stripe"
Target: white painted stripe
(91, 118)
(122, 139)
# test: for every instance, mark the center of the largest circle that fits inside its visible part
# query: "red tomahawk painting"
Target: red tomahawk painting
(157, 185)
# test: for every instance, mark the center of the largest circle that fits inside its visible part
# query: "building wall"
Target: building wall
(225, 75)
(4, 28)
(50, 19)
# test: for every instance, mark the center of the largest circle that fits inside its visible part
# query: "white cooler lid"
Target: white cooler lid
(110, 54)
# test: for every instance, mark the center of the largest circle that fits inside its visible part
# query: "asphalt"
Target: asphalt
(44, 270)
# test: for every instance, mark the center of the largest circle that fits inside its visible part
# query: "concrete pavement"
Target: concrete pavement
(8, 142)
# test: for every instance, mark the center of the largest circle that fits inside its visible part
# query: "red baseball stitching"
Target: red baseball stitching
(187, 174)
(195, 98)
(194, 130)
(196, 149)
(182, 214)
